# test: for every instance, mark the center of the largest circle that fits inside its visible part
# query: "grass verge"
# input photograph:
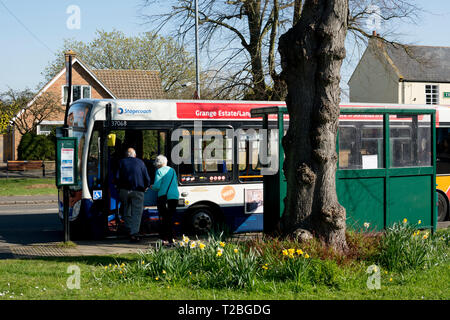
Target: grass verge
(264, 270)
(27, 187)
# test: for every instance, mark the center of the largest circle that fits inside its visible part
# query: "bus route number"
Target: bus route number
(119, 123)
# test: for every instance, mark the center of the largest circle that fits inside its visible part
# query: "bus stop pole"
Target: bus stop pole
(66, 198)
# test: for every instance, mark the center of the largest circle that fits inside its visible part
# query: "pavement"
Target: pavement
(18, 200)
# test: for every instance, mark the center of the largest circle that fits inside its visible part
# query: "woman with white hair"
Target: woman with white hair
(166, 184)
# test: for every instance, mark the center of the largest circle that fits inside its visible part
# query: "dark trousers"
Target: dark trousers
(166, 209)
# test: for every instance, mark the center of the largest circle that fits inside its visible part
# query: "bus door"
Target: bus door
(148, 143)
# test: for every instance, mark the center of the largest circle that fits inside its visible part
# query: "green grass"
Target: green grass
(186, 273)
(27, 187)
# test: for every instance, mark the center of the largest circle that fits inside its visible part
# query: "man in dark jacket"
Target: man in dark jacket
(133, 180)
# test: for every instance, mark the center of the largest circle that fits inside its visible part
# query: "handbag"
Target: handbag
(162, 200)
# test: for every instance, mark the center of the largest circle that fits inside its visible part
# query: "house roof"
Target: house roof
(131, 84)
(420, 63)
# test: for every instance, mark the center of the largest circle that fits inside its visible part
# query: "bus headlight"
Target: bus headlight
(76, 210)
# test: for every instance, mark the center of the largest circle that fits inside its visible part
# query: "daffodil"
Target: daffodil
(219, 252)
(222, 244)
(425, 236)
(164, 272)
(185, 239)
(405, 220)
(419, 222)
(202, 246)
(390, 279)
(193, 245)
(235, 250)
(366, 225)
(306, 256)
(291, 251)
(157, 278)
(299, 252)
(285, 252)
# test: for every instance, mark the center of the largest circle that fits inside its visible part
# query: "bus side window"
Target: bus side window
(248, 156)
(347, 148)
(93, 159)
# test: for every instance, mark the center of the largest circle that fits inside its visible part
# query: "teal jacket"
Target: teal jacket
(163, 177)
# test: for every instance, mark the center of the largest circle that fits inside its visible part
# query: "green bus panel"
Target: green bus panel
(410, 198)
(363, 200)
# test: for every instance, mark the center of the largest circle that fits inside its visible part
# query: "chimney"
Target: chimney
(374, 33)
(68, 54)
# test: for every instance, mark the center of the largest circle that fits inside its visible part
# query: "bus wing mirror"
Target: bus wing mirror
(111, 140)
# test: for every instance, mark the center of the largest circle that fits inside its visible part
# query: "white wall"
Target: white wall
(374, 81)
(414, 92)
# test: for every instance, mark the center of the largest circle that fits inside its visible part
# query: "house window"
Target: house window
(78, 92)
(46, 127)
(432, 94)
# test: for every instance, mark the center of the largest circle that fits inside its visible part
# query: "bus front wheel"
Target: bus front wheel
(442, 207)
(201, 220)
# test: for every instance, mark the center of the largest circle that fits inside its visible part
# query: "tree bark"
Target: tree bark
(311, 55)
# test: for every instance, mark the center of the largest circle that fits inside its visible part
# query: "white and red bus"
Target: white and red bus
(226, 189)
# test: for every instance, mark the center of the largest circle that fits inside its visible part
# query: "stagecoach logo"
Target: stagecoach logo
(228, 193)
(133, 111)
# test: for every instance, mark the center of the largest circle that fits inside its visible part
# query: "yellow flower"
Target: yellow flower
(157, 278)
(193, 245)
(420, 221)
(164, 272)
(425, 236)
(219, 252)
(285, 252)
(299, 252)
(142, 262)
(390, 279)
(120, 272)
(291, 251)
(106, 267)
(306, 256)
(235, 250)
(222, 244)
(201, 246)
(110, 265)
(182, 244)
(405, 220)
(185, 239)
(190, 273)
(291, 256)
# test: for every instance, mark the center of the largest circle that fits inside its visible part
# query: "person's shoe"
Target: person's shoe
(135, 238)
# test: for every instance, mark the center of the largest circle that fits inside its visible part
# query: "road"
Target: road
(29, 224)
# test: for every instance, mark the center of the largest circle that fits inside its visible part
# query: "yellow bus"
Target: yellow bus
(443, 161)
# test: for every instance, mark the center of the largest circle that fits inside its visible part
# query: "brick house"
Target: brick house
(88, 83)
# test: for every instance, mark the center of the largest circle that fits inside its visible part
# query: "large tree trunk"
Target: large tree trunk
(311, 55)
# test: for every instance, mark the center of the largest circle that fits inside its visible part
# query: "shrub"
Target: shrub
(403, 247)
(36, 147)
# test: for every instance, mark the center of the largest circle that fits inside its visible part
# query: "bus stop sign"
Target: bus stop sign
(66, 162)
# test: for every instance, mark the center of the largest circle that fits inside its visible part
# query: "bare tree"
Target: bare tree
(240, 37)
(28, 110)
(312, 53)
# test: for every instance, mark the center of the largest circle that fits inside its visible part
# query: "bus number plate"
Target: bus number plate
(119, 123)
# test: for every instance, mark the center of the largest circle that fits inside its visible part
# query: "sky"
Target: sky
(31, 32)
